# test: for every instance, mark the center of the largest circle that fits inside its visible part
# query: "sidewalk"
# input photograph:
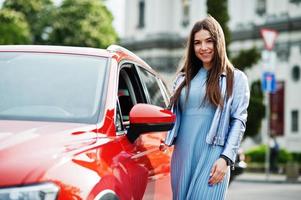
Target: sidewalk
(262, 178)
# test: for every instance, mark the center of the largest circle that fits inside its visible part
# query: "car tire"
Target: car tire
(107, 195)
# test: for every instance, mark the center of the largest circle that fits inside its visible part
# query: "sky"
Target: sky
(117, 9)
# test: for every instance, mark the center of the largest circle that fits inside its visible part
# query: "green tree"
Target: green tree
(38, 14)
(243, 60)
(83, 23)
(13, 28)
(256, 110)
(219, 10)
(246, 58)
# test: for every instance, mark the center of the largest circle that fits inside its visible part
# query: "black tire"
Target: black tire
(107, 195)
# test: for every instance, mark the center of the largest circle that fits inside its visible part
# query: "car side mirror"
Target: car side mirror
(145, 118)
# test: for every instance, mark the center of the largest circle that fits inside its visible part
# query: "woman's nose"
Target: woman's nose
(203, 46)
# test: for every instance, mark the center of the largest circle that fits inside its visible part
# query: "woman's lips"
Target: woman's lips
(205, 54)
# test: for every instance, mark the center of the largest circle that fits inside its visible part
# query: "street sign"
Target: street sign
(269, 82)
(269, 36)
(268, 60)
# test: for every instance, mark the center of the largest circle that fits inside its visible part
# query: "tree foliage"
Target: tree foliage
(83, 23)
(13, 28)
(256, 110)
(246, 58)
(38, 14)
(74, 22)
(219, 10)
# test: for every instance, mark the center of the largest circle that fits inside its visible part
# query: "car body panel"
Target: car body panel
(31, 147)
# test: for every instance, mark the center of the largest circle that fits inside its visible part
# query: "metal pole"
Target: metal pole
(267, 154)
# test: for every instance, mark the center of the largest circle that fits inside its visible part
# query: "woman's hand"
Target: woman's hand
(218, 171)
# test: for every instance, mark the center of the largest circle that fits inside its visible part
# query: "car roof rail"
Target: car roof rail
(115, 48)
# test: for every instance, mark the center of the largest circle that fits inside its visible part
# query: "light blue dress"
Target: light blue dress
(193, 158)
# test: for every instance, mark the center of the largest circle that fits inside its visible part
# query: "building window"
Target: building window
(295, 120)
(261, 7)
(295, 1)
(283, 52)
(186, 12)
(296, 73)
(141, 10)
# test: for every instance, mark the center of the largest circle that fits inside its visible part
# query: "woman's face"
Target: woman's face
(204, 47)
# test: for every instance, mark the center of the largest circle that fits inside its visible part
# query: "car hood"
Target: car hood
(28, 149)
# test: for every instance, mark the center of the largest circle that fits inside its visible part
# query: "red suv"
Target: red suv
(82, 123)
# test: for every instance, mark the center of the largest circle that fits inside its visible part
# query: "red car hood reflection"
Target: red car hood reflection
(28, 149)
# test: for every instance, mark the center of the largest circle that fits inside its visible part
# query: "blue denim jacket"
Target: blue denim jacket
(229, 122)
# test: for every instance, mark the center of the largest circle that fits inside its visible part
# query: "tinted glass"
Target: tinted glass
(51, 87)
(153, 88)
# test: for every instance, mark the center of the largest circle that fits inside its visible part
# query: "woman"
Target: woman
(210, 101)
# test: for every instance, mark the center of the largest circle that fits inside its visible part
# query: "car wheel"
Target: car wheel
(107, 195)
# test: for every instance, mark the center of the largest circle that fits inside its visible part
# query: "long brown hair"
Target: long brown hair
(220, 63)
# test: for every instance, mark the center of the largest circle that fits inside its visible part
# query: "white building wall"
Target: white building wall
(241, 13)
(293, 101)
(159, 18)
(154, 21)
(130, 18)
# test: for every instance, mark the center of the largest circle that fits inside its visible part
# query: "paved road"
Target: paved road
(260, 190)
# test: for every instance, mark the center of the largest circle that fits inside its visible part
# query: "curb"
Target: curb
(266, 181)
(262, 178)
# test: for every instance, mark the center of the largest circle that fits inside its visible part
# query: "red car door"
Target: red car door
(148, 150)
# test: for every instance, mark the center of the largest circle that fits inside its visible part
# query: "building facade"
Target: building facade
(157, 31)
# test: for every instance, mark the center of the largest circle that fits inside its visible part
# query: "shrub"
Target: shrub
(284, 156)
(257, 155)
(296, 157)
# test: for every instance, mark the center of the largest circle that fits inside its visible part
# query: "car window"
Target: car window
(153, 90)
(164, 90)
(119, 120)
(130, 92)
(126, 95)
(51, 87)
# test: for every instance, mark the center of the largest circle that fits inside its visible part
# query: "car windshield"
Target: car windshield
(51, 87)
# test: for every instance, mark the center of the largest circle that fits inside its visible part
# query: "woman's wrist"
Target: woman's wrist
(228, 160)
